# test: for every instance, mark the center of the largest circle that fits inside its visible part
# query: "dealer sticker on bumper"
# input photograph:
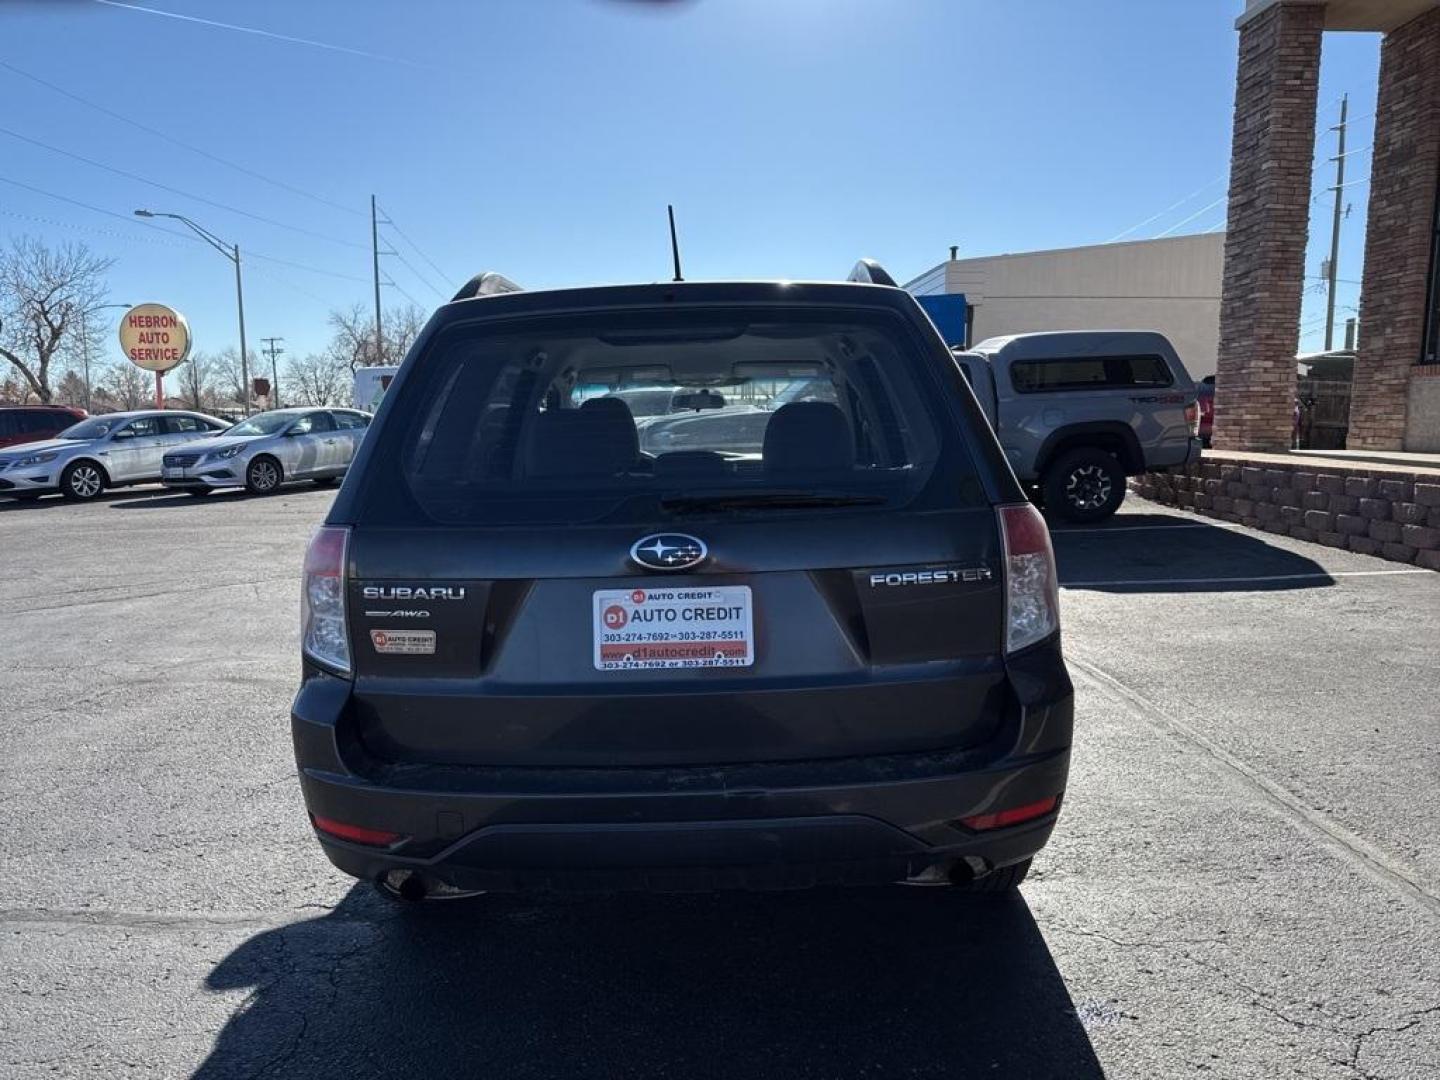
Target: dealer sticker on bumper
(681, 627)
(409, 642)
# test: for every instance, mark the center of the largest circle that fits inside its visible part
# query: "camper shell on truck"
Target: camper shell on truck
(1078, 411)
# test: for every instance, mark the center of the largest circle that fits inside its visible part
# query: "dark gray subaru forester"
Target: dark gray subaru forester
(796, 624)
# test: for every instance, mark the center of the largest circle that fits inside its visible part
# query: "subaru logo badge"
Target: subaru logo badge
(669, 551)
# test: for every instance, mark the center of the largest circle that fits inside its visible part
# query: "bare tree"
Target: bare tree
(13, 391)
(402, 326)
(229, 379)
(194, 385)
(70, 390)
(353, 335)
(43, 293)
(127, 386)
(317, 379)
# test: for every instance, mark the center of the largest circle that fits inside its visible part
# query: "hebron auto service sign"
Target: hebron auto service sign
(155, 337)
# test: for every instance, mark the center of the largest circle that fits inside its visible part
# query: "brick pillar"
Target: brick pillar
(1270, 160)
(1404, 177)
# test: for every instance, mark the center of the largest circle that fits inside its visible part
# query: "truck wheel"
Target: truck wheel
(1085, 484)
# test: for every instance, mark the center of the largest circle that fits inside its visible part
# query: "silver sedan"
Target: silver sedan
(112, 450)
(270, 449)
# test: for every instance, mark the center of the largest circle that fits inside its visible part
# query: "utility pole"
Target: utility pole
(1333, 270)
(272, 351)
(375, 256)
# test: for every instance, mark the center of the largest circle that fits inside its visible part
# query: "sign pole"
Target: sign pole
(159, 389)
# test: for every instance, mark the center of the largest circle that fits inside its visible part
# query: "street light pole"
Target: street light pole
(231, 252)
(244, 356)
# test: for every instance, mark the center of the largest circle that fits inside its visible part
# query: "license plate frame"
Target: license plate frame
(673, 627)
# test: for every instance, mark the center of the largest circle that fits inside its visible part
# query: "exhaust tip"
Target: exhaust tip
(403, 885)
(962, 871)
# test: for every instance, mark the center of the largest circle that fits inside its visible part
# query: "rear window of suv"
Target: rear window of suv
(1089, 373)
(534, 420)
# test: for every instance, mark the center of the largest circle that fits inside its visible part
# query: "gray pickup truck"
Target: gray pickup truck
(1078, 411)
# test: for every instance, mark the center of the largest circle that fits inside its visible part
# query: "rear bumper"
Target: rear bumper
(864, 820)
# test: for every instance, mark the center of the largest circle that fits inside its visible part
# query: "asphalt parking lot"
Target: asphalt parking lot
(1245, 881)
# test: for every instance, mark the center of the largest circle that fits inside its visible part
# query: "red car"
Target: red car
(31, 423)
(1206, 401)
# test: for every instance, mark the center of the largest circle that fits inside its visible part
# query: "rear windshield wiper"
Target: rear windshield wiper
(766, 500)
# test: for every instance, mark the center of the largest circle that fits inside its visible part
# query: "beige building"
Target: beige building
(1171, 285)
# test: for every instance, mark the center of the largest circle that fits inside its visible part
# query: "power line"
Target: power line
(174, 190)
(265, 271)
(303, 266)
(187, 237)
(419, 276)
(416, 248)
(1173, 206)
(177, 142)
(401, 289)
(1185, 221)
(97, 209)
(95, 230)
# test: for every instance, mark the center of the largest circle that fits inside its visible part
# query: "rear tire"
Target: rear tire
(82, 481)
(264, 476)
(1083, 485)
(998, 882)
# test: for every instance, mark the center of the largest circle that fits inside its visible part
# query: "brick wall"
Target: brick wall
(1389, 513)
(1404, 174)
(1268, 221)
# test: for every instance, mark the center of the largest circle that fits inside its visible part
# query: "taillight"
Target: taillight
(1192, 417)
(323, 633)
(356, 834)
(1032, 595)
(1016, 815)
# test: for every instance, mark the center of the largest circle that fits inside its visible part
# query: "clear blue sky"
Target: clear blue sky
(543, 138)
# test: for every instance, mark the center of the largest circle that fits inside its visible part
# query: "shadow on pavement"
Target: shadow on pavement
(58, 502)
(1166, 553)
(166, 499)
(891, 982)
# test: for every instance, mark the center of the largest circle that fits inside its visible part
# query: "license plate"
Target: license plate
(673, 627)
(173, 474)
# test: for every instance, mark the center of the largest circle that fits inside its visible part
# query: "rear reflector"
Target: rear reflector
(356, 834)
(1014, 816)
(1032, 596)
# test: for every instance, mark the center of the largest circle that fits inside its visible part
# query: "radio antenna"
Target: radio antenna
(674, 242)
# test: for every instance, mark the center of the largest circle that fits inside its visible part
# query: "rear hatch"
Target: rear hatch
(809, 568)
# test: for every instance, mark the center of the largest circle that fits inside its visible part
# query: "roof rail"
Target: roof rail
(870, 272)
(486, 283)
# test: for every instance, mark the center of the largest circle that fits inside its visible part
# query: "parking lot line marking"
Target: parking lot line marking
(1257, 580)
(1148, 528)
(1375, 862)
